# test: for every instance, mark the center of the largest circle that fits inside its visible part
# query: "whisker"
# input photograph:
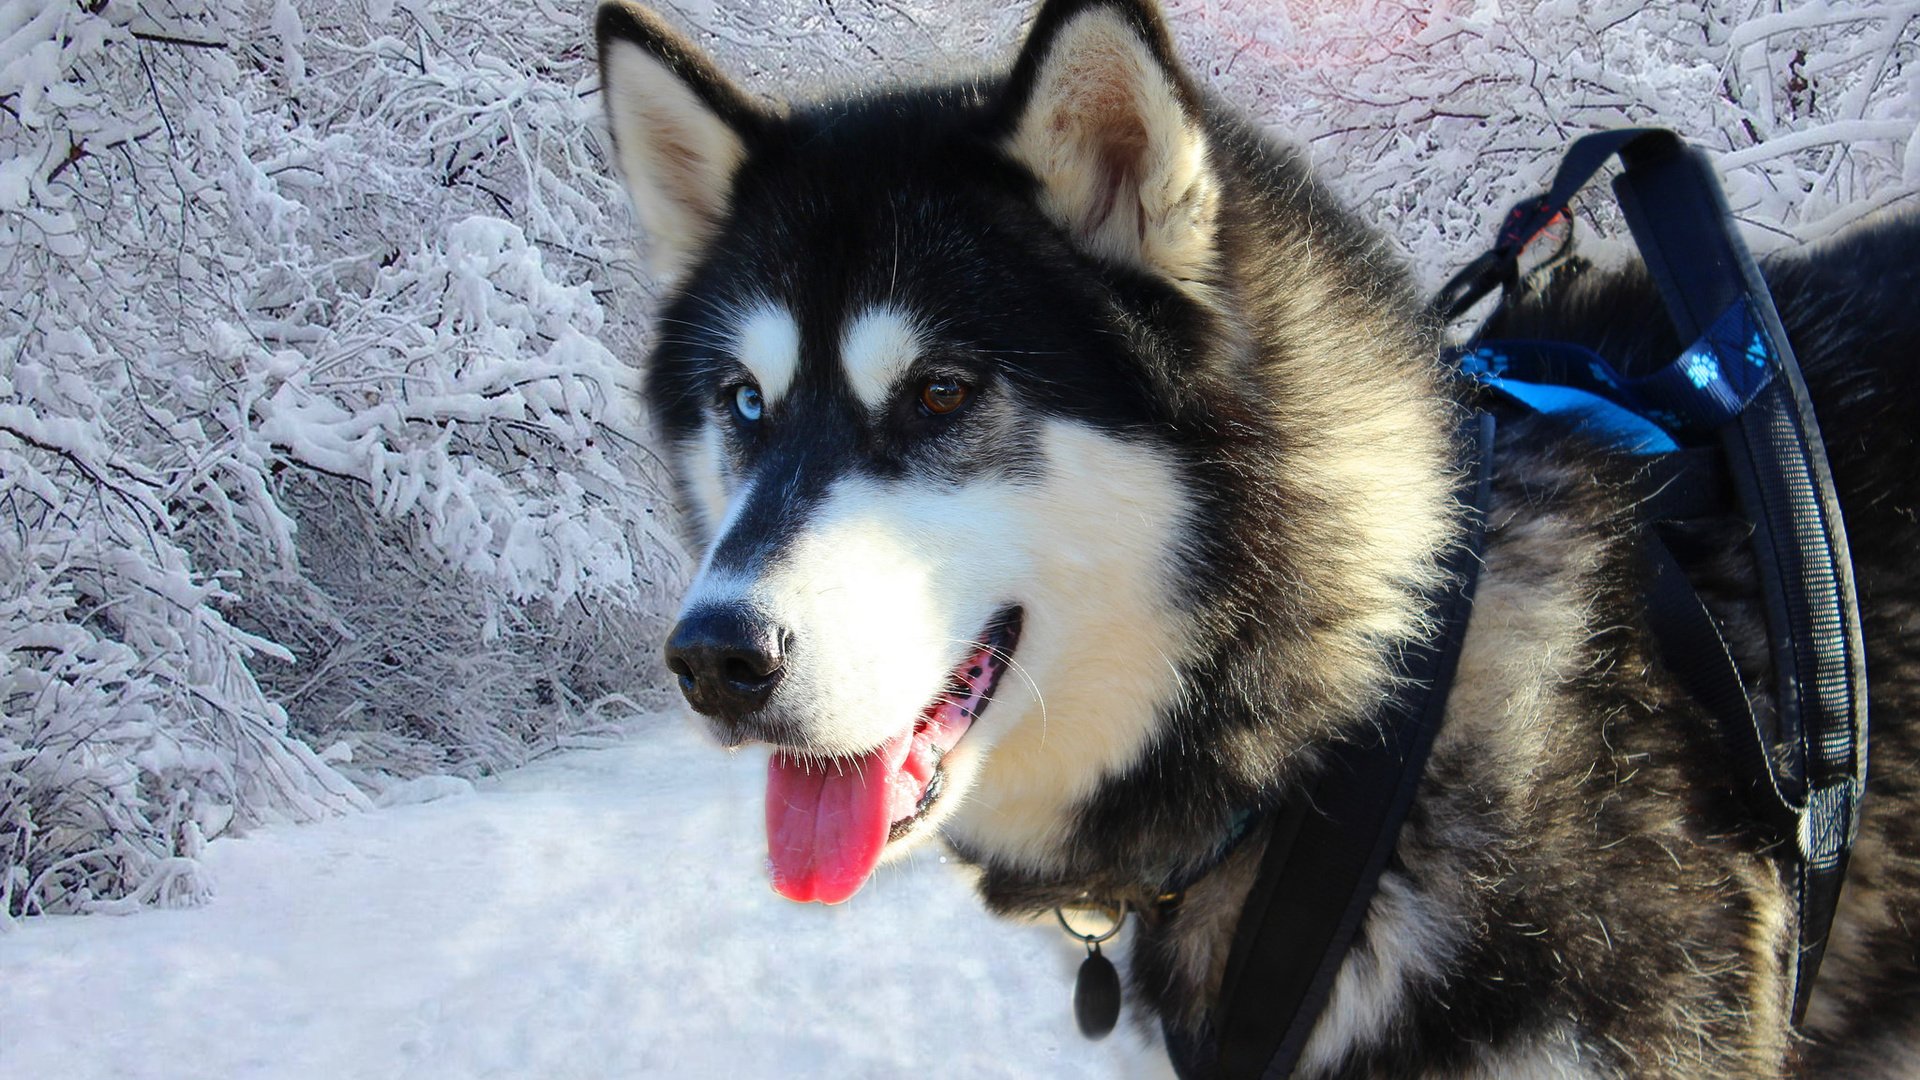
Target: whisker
(1033, 684)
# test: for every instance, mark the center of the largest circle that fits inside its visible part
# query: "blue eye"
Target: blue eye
(746, 402)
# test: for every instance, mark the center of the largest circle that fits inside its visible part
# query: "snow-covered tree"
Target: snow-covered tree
(319, 459)
(317, 464)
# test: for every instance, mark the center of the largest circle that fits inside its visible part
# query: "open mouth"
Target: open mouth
(829, 819)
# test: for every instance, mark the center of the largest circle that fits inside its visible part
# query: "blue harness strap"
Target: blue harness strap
(1548, 377)
(1709, 385)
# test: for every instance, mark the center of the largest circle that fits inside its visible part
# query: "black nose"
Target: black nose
(728, 658)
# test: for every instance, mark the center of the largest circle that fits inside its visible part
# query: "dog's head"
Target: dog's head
(938, 375)
(912, 425)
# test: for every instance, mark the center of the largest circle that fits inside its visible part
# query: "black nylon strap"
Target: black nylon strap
(1500, 266)
(1327, 850)
(1329, 846)
(1690, 644)
(1778, 469)
(1686, 483)
(1680, 221)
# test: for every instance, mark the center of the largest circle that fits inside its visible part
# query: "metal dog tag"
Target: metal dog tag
(1096, 995)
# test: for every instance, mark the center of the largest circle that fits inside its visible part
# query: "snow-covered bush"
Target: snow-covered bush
(318, 458)
(311, 438)
(1436, 117)
(1439, 117)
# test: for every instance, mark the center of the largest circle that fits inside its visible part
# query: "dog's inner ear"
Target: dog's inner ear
(680, 129)
(1110, 131)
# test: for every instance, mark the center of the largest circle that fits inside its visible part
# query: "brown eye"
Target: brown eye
(941, 396)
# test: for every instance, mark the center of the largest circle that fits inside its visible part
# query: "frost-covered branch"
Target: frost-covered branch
(303, 443)
(319, 459)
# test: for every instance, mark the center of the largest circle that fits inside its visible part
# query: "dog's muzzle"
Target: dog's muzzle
(728, 658)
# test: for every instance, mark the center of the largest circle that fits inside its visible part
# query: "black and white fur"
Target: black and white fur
(1207, 453)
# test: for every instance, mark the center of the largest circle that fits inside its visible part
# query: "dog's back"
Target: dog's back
(1848, 307)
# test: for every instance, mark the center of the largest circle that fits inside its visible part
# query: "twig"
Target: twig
(169, 39)
(75, 151)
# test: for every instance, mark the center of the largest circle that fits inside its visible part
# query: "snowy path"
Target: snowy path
(601, 913)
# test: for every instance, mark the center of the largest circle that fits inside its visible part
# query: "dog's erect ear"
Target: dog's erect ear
(1106, 120)
(681, 129)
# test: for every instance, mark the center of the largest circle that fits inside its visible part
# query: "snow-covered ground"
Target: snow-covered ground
(601, 913)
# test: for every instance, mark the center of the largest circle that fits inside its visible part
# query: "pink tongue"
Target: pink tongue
(827, 823)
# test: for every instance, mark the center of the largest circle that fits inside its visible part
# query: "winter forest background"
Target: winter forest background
(320, 467)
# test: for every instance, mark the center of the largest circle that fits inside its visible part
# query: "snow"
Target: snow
(599, 913)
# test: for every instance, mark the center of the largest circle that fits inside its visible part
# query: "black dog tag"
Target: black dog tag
(1096, 995)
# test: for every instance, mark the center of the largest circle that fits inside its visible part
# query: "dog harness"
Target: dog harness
(1727, 426)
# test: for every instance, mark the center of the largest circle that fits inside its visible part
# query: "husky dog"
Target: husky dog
(1069, 466)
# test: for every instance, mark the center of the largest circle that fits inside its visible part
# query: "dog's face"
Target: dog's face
(916, 378)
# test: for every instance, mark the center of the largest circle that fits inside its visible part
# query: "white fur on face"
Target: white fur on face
(708, 477)
(876, 348)
(889, 583)
(876, 605)
(1100, 652)
(767, 343)
(677, 155)
(1119, 161)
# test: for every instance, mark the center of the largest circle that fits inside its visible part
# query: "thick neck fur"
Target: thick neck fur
(1325, 477)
